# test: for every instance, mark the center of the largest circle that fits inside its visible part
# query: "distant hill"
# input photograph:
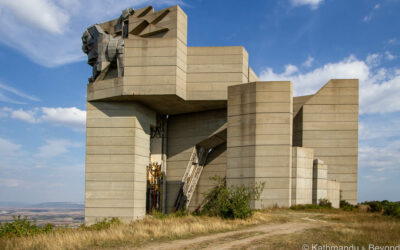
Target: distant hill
(59, 205)
(6, 204)
(68, 205)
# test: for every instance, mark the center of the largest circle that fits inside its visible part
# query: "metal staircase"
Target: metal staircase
(191, 177)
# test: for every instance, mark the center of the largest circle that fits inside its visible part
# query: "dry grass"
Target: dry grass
(134, 234)
(339, 228)
(334, 227)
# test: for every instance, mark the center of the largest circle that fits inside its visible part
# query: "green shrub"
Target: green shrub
(230, 202)
(103, 224)
(374, 206)
(392, 209)
(158, 215)
(324, 203)
(23, 227)
(344, 205)
(181, 213)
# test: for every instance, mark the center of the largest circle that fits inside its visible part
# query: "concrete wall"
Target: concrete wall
(153, 65)
(334, 193)
(158, 65)
(252, 76)
(259, 147)
(302, 175)
(184, 132)
(215, 166)
(320, 181)
(328, 123)
(211, 69)
(117, 152)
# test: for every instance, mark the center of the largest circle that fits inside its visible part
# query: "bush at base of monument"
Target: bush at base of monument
(230, 202)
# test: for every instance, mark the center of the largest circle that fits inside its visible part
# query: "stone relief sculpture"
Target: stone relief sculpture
(103, 51)
(105, 48)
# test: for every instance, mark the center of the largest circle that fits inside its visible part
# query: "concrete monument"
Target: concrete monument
(162, 118)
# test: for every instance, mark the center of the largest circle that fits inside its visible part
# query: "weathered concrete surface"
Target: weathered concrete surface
(259, 147)
(302, 175)
(320, 181)
(328, 123)
(205, 90)
(334, 193)
(184, 132)
(117, 153)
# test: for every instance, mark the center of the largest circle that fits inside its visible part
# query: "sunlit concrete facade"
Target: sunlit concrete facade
(256, 131)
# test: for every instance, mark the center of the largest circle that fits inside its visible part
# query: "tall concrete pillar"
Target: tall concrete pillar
(259, 141)
(117, 153)
(320, 181)
(302, 175)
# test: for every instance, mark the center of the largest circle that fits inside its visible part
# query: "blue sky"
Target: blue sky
(43, 76)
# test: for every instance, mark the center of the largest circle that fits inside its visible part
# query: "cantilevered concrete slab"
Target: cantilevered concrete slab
(154, 101)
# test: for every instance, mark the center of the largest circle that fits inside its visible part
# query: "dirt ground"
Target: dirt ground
(249, 238)
(299, 230)
(237, 239)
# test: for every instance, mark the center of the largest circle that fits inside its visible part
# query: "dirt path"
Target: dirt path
(235, 239)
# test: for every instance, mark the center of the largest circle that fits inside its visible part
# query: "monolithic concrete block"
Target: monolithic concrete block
(320, 181)
(302, 175)
(244, 140)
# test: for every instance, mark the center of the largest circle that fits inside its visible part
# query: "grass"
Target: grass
(339, 228)
(134, 234)
(333, 227)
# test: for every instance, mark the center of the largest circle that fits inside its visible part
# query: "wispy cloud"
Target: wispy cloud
(55, 147)
(8, 148)
(393, 41)
(369, 17)
(313, 4)
(10, 183)
(12, 95)
(389, 56)
(374, 178)
(309, 62)
(379, 87)
(49, 31)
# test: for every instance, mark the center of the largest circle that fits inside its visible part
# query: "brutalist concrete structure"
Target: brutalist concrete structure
(153, 99)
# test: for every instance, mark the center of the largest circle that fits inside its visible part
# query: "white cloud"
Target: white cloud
(290, 69)
(379, 87)
(374, 178)
(10, 94)
(308, 83)
(389, 56)
(28, 116)
(71, 117)
(49, 31)
(308, 63)
(313, 4)
(8, 148)
(367, 18)
(380, 159)
(373, 59)
(9, 183)
(42, 14)
(393, 41)
(55, 147)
